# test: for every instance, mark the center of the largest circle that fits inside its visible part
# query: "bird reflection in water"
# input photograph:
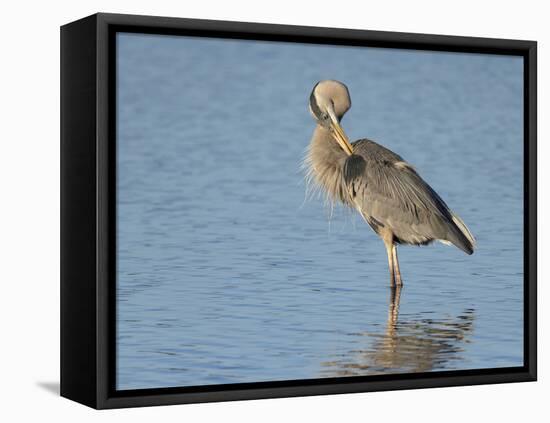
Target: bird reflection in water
(409, 346)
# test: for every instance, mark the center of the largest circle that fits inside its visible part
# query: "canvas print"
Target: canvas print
(289, 211)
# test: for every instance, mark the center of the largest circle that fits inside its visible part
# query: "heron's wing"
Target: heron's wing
(388, 191)
(376, 174)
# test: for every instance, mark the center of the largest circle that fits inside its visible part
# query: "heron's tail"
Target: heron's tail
(461, 236)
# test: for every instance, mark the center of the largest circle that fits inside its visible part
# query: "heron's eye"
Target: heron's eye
(324, 116)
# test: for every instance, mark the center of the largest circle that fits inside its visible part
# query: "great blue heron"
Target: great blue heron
(386, 190)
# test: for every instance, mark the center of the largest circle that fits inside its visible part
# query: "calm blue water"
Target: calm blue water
(226, 274)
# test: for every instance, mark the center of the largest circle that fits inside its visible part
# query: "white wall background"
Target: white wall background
(29, 178)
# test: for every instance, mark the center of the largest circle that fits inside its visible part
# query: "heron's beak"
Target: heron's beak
(339, 134)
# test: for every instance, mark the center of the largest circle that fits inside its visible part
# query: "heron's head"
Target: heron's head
(328, 102)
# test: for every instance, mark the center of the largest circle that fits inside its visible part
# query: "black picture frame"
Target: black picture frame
(88, 210)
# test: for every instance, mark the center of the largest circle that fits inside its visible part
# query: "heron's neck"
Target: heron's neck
(325, 160)
(325, 147)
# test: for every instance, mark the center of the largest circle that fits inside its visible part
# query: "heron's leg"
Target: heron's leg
(398, 280)
(389, 247)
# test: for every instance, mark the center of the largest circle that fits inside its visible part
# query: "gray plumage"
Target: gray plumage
(387, 191)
